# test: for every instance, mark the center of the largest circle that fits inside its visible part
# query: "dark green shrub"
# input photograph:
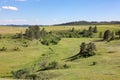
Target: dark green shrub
(93, 63)
(50, 39)
(53, 65)
(65, 66)
(3, 49)
(20, 74)
(32, 76)
(16, 49)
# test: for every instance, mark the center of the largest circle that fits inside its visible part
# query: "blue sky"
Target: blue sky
(57, 11)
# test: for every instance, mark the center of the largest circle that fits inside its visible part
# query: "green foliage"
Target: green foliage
(20, 74)
(50, 39)
(107, 35)
(93, 63)
(33, 32)
(65, 66)
(89, 32)
(3, 49)
(53, 65)
(32, 76)
(16, 49)
(95, 29)
(87, 50)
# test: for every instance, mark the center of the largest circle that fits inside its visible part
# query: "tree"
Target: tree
(107, 35)
(83, 47)
(95, 29)
(87, 50)
(90, 31)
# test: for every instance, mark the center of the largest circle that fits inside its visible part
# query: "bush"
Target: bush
(16, 49)
(20, 74)
(53, 65)
(31, 76)
(50, 39)
(93, 63)
(65, 66)
(3, 49)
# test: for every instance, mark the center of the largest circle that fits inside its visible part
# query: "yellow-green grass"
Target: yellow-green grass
(107, 67)
(13, 30)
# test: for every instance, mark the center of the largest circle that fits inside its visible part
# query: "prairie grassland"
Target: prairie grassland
(13, 30)
(107, 58)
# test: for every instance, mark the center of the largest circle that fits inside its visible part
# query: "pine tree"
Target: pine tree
(95, 29)
(87, 50)
(90, 31)
(107, 35)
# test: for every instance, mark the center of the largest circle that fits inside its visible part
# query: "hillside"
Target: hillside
(90, 23)
(107, 56)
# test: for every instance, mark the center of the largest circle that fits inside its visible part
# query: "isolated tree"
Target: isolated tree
(107, 35)
(82, 47)
(95, 29)
(90, 31)
(87, 50)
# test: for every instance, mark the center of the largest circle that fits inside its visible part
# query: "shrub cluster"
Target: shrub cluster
(50, 39)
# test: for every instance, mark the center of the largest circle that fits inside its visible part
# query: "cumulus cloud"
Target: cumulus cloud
(10, 8)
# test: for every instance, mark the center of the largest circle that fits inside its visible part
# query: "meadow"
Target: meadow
(107, 56)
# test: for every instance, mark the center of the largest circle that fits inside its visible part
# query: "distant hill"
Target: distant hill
(89, 23)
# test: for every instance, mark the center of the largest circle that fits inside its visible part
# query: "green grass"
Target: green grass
(107, 67)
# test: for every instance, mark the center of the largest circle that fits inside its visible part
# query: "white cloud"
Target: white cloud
(21, 0)
(10, 8)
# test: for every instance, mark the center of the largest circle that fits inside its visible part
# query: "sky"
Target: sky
(48, 12)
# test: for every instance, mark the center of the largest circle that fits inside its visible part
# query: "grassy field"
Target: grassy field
(107, 67)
